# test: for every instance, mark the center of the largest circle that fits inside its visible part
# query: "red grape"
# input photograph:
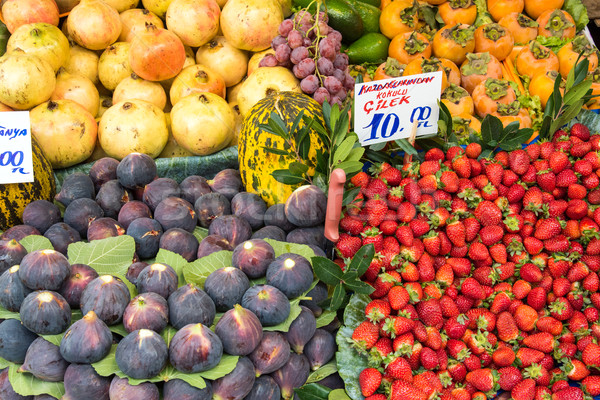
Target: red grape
(304, 68)
(286, 27)
(332, 84)
(298, 54)
(295, 39)
(282, 52)
(268, 61)
(325, 66)
(309, 84)
(321, 94)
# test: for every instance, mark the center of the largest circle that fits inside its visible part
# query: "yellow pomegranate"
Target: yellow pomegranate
(77, 88)
(83, 62)
(220, 55)
(134, 87)
(43, 40)
(113, 65)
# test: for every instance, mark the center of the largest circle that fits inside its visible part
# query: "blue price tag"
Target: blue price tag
(16, 159)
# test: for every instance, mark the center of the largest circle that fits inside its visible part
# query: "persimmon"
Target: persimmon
(455, 12)
(398, 17)
(423, 65)
(522, 28)
(594, 103)
(495, 39)
(454, 42)
(464, 125)
(536, 59)
(434, 2)
(535, 8)
(513, 112)
(556, 23)
(477, 68)
(391, 68)
(568, 54)
(542, 85)
(457, 100)
(514, 53)
(490, 93)
(408, 46)
(501, 8)
(451, 70)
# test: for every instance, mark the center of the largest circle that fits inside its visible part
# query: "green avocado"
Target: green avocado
(370, 48)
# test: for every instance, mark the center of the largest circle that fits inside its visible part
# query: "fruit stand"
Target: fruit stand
(299, 199)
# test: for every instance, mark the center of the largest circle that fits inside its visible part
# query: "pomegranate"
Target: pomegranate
(43, 40)
(136, 19)
(25, 80)
(220, 55)
(133, 126)
(105, 104)
(134, 87)
(194, 21)
(190, 59)
(113, 65)
(251, 24)
(65, 130)
(20, 12)
(122, 5)
(196, 79)
(172, 148)
(77, 88)
(263, 82)
(232, 92)
(93, 24)
(4, 107)
(158, 7)
(83, 62)
(156, 54)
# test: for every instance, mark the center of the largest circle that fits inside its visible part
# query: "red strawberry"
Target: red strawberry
(376, 187)
(580, 131)
(351, 225)
(348, 245)
(403, 390)
(404, 234)
(509, 378)
(428, 358)
(430, 312)
(377, 310)
(542, 341)
(392, 176)
(518, 161)
(571, 393)
(449, 181)
(375, 210)
(478, 251)
(472, 289)
(434, 154)
(369, 380)
(366, 334)
(360, 180)
(394, 326)
(491, 234)
(591, 384)
(399, 368)
(547, 229)
(484, 379)
(472, 227)
(558, 161)
(591, 355)
(524, 390)
(462, 166)
(398, 297)
(507, 327)
(488, 213)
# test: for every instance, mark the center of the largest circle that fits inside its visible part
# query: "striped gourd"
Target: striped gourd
(15, 196)
(256, 164)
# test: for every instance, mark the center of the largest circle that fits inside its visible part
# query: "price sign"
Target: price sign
(386, 109)
(16, 160)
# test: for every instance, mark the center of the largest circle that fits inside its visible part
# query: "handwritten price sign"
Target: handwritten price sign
(16, 161)
(385, 110)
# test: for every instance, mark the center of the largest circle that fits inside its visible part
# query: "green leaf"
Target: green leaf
(326, 318)
(338, 394)
(578, 12)
(4, 363)
(362, 259)
(284, 247)
(268, 128)
(36, 242)
(54, 339)
(358, 286)
(278, 125)
(407, 147)
(356, 153)
(577, 92)
(350, 167)
(350, 195)
(224, 367)
(5, 314)
(200, 233)
(25, 384)
(296, 123)
(168, 333)
(378, 146)
(175, 261)
(287, 177)
(275, 151)
(110, 256)
(323, 372)
(169, 373)
(297, 168)
(327, 113)
(567, 116)
(119, 330)
(196, 272)
(491, 128)
(343, 150)
(337, 297)
(312, 391)
(327, 271)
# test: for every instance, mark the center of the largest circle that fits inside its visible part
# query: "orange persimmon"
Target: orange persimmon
(512, 113)
(522, 28)
(464, 125)
(457, 100)
(495, 39)
(536, 59)
(455, 12)
(391, 68)
(423, 65)
(535, 8)
(408, 46)
(514, 53)
(501, 8)
(490, 93)
(556, 23)
(398, 17)
(542, 85)
(477, 68)
(454, 42)
(568, 54)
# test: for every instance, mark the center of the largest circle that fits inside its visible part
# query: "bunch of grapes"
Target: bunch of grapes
(311, 49)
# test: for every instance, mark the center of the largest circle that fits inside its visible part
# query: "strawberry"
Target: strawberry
(377, 310)
(546, 180)
(488, 213)
(366, 334)
(399, 368)
(547, 228)
(558, 161)
(527, 356)
(536, 298)
(432, 243)
(580, 131)
(360, 180)
(434, 154)
(404, 234)
(392, 176)
(472, 289)
(561, 309)
(369, 380)
(412, 192)
(430, 312)
(591, 384)
(503, 356)
(509, 378)
(394, 326)
(576, 370)
(478, 251)
(507, 327)
(395, 198)
(375, 210)
(462, 166)
(403, 390)
(591, 355)
(542, 341)
(351, 225)
(491, 234)
(484, 379)
(376, 187)
(524, 390)
(406, 213)
(570, 393)
(449, 181)
(428, 358)
(398, 297)
(348, 245)
(518, 161)
(376, 396)
(473, 150)
(565, 178)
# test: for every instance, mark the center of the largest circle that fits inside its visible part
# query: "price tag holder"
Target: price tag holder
(16, 159)
(385, 110)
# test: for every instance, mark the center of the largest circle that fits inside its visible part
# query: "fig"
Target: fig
(44, 397)
(226, 287)
(265, 388)
(210, 206)
(240, 331)
(228, 182)
(146, 311)
(236, 384)
(233, 228)
(158, 278)
(6, 390)
(102, 171)
(317, 295)
(80, 212)
(306, 206)
(61, 236)
(175, 212)
(319, 252)
(136, 170)
(12, 290)
(181, 242)
(18, 232)
(212, 244)
(43, 360)
(103, 228)
(158, 190)
(253, 257)
(272, 353)
(177, 389)
(269, 232)
(146, 232)
(107, 296)
(11, 253)
(83, 383)
(292, 375)
(190, 305)
(75, 186)
(131, 211)
(45, 313)
(120, 389)
(269, 304)
(41, 214)
(250, 207)
(314, 236)
(275, 216)
(301, 330)
(44, 270)
(14, 340)
(195, 348)
(193, 187)
(142, 354)
(111, 197)
(86, 341)
(320, 349)
(73, 286)
(291, 273)
(134, 271)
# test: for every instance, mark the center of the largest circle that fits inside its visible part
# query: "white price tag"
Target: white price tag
(16, 160)
(384, 110)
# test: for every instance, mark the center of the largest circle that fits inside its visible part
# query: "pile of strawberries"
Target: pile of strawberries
(485, 273)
